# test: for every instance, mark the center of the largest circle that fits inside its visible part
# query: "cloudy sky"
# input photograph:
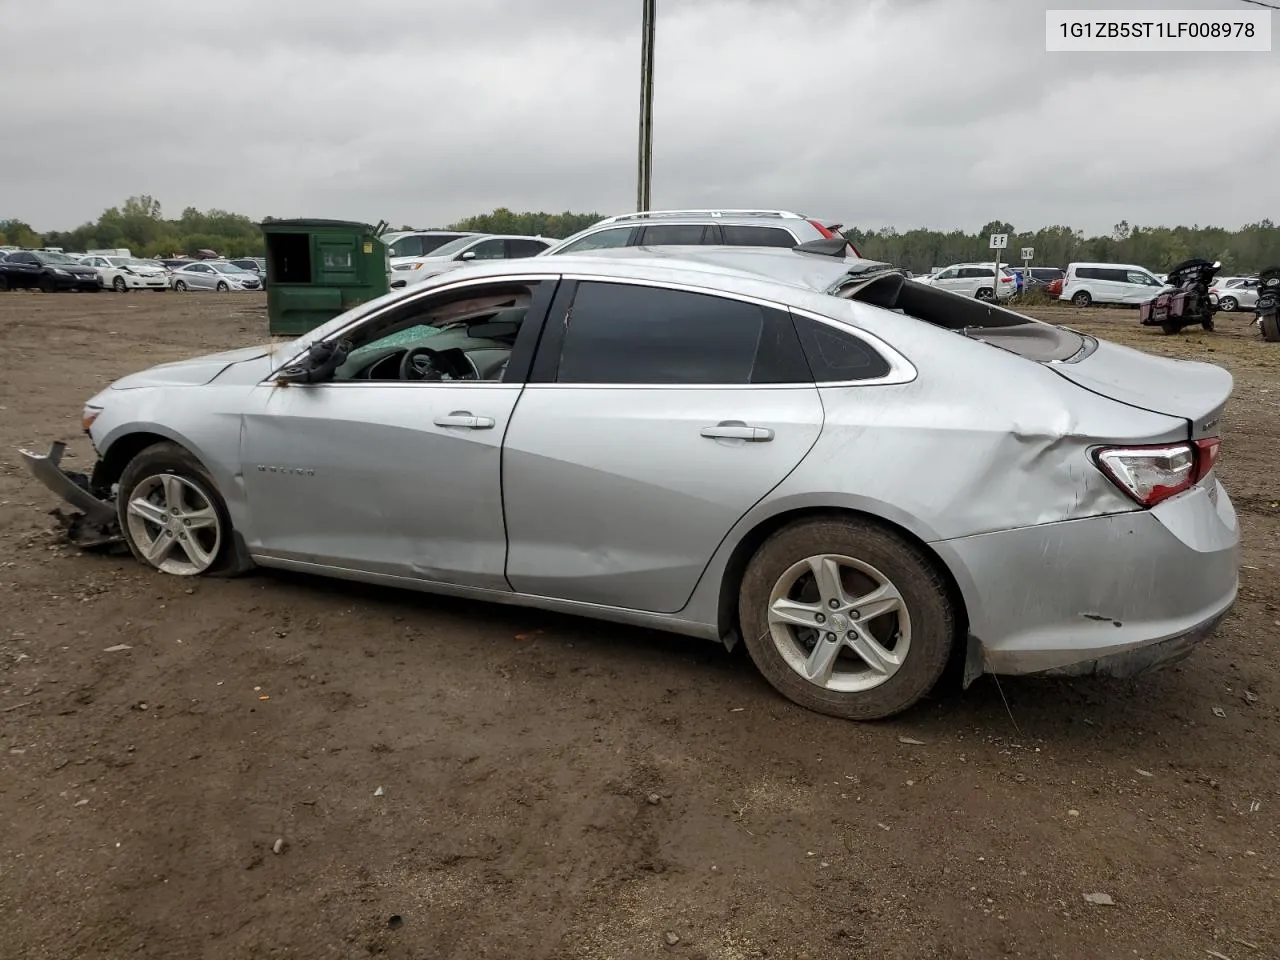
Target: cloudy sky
(938, 113)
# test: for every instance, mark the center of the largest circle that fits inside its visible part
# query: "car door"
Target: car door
(655, 418)
(1140, 286)
(493, 248)
(388, 476)
(948, 279)
(24, 269)
(519, 247)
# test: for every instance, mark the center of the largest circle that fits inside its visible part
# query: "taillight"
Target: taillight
(1151, 474)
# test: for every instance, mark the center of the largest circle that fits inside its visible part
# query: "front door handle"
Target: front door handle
(465, 419)
(737, 430)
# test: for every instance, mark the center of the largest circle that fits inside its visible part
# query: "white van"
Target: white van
(1088, 283)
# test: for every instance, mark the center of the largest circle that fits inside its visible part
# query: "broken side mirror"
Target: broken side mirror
(317, 365)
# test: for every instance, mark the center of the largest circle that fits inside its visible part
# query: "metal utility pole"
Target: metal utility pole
(645, 171)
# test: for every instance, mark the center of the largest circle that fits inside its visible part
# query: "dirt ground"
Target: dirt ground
(559, 788)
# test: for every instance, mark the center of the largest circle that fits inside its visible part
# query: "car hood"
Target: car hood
(1195, 391)
(190, 373)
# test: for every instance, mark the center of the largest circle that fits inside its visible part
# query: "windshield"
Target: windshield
(452, 247)
(54, 258)
(228, 268)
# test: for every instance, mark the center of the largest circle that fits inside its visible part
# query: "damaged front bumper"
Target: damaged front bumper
(97, 524)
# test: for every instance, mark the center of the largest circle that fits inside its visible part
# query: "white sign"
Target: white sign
(999, 241)
(1028, 253)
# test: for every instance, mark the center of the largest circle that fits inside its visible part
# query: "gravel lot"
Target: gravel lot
(559, 788)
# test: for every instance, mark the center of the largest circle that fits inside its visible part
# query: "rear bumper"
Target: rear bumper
(1112, 595)
(48, 470)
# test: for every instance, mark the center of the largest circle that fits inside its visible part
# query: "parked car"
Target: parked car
(256, 265)
(405, 246)
(977, 280)
(214, 275)
(49, 272)
(1054, 287)
(122, 274)
(739, 228)
(872, 474)
(464, 250)
(1123, 283)
(1041, 277)
(1235, 293)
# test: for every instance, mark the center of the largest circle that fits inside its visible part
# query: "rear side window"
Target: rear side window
(1088, 273)
(624, 334)
(835, 356)
(604, 240)
(744, 236)
(673, 234)
(517, 249)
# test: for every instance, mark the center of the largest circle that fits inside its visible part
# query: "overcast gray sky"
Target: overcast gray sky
(938, 113)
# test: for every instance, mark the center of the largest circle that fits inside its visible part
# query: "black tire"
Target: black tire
(985, 293)
(1082, 299)
(1206, 324)
(933, 622)
(222, 286)
(46, 285)
(1170, 327)
(1270, 327)
(119, 286)
(1228, 304)
(173, 459)
(180, 286)
(4, 282)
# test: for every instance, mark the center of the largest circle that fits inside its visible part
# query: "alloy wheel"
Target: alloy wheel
(839, 623)
(174, 525)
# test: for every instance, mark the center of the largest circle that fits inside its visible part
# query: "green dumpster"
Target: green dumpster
(317, 269)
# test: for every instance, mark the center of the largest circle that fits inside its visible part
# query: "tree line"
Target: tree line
(1247, 250)
(140, 225)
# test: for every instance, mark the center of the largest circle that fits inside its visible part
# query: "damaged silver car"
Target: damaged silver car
(858, 476)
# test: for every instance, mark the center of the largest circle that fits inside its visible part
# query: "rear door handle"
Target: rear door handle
(465, 419)
(737, 430)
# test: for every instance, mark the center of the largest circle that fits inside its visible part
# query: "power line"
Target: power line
(1260, 3)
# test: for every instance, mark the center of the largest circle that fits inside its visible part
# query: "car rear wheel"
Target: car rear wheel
(119, 285)
(846, 618)
(985, 293)
(1227, 304)
(1082, 299)
(180, 286)
(171, 514)
(222, 286)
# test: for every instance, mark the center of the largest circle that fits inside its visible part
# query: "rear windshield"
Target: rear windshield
(974, 318)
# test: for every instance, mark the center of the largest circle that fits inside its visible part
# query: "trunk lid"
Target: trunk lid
(1197, 392)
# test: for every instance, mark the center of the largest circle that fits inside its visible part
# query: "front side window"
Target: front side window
(460, 336)
(489, 250)
(625, 334)
(604, 240)
(949, 274)
(406, 247)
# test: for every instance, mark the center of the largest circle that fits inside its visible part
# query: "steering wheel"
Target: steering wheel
(421, 363)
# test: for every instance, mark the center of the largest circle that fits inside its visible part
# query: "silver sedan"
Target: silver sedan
(216, 275)
(1236, 293)
(858, 476)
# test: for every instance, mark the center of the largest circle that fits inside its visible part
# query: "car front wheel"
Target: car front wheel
(171, 514)
(1228, 304)
(846, 618)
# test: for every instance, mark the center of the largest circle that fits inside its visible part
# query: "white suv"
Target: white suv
(1128, 283)
(735, 228)
(975, 280)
